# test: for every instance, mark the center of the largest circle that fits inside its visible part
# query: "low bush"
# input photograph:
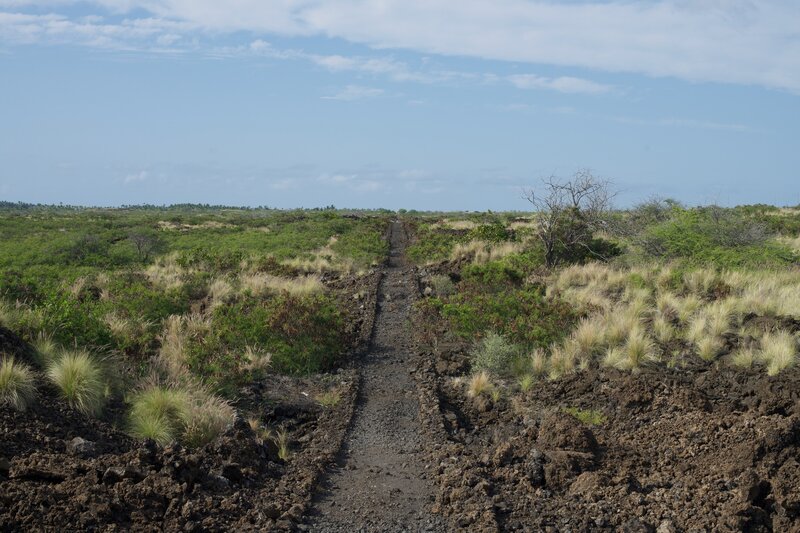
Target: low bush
(17, 384)
(494, 354)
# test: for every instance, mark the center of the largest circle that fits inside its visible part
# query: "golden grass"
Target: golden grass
(482, 252)
(478, 384)
(778, 351)
(165, 272)
(17, 384)
(79, 378)
(260, 284)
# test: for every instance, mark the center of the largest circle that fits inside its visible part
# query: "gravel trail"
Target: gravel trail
(382, 481)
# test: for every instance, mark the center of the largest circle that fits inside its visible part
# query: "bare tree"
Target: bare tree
(146, 243)
(569, 212)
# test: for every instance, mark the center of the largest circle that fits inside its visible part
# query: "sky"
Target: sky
(416, 104)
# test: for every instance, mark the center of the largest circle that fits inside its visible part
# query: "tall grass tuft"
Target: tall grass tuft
(79, 378)
(479, 384)
(778, 351)
(17, 385)
(170, 413)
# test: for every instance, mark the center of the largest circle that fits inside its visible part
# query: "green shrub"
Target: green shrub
(494, 354)
(304, 334)
(524, 315)
(494, 232)
(79, 378)
(17, 385)
(442, 285)
(723, 238)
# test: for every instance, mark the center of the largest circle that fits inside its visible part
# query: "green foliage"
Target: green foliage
(491, 297)
(494, 232)
(72, 321)
(433, 244)
(442, 285)
(302, 332)
(722, 238)
(17, 384)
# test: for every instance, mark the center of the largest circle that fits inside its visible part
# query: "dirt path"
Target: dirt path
(382, 482)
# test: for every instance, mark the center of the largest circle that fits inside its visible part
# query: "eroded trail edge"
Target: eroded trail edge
(383, 481)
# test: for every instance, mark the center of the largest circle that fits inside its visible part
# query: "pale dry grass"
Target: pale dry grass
(456, 224)
(220, 292)
(260, 284)
(165, 272)
(478, 384)
(778, 351)
(482, 252)
(631, 309)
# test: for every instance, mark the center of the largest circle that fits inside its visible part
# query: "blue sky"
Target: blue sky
(427, 104)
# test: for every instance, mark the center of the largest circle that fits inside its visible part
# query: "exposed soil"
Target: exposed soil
(705, 447)
(61, 470)
(383, 479)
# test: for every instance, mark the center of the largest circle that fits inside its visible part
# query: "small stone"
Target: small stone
(80, 446)
(666, 526)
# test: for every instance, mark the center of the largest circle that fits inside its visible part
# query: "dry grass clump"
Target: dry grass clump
(538, 362)
(629, 310)
(483, 252)
(17, 384)
(638, 349)
(663, 330)
(330, 398)
(588, 337)
(165, 272)
(220, 291)
(45, 348)
(708, 348)
(561, 362)
(701, 281)
(178, 329)
(778, 351)
(79, 378)
(456, 224)
(260, 284)
(256, 361)
(744, 357)
(168, 413)
(478, 384)
(525, 382)
(325, 259)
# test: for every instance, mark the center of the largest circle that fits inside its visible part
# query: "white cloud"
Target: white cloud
(137, 176)
(355, 92)
(563, 84)
(735, 41)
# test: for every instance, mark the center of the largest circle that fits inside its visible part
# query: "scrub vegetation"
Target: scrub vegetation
(171, 309)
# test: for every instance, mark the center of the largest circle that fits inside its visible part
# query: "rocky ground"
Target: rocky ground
(705, 447)
(62, 470)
